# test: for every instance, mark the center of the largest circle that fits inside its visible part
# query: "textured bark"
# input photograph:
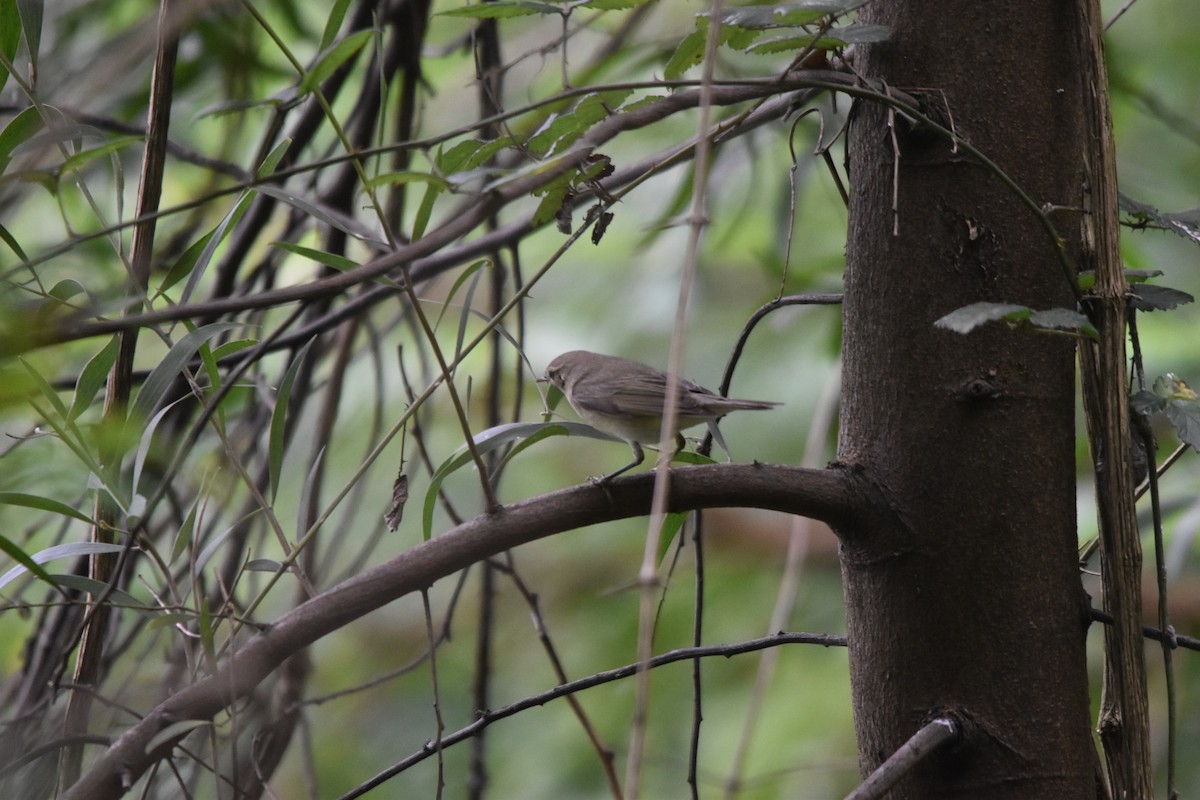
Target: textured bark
(966, 599)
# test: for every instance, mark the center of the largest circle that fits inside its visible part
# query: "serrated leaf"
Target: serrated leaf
(1183, 223)
(92, 378)
(1152, 297)
(160, 378)
(333, 57)
(1146, 402)
(1063, 319)
(968, 318)
(1184, 416)
(688, 53)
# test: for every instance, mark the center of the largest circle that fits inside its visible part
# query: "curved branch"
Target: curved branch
(827, 495)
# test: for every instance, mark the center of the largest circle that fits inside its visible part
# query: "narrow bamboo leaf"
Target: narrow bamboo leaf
(42, 504)
(72, 550)
(212, 241)
(501, 10)
(283, 398)
(612, 5)
(83, 158)
(403, 177)
(25, 563)
(671, 526)
(273, 158)
(235, 346)
(18, 131)
(45, 389)
(458, 282)
(92, 378)
(12, 243)
(333, 23)
(31, 12)
(340, 263)
(186, 532)
(176, 730)
(344, 224)
(94, 587)
(333, 57)
(173, 363)
(139, 458)
(492, 439)
(10, 38)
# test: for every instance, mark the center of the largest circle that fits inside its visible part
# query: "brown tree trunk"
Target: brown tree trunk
(967, 598)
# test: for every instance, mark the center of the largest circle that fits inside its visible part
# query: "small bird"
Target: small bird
(625, 398)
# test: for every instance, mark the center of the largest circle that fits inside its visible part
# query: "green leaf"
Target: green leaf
(267, 167)
(688, 53)
(42, 504)
(458, 282)
(92, 378)
(8, 239)
(71, 550)
(331, 58)
(346, 225)
(19, 130)
(334, 23)
(340, 263)
(612, 5)
(275, 449)
(200, 263)
(173, 363)
(22, 558)
(502, 10)
(493, 439)
(176, 730)
(81, 159)
(10, 38)
(31, 12)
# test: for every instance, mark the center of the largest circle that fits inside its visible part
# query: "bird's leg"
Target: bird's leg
(638, 457)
